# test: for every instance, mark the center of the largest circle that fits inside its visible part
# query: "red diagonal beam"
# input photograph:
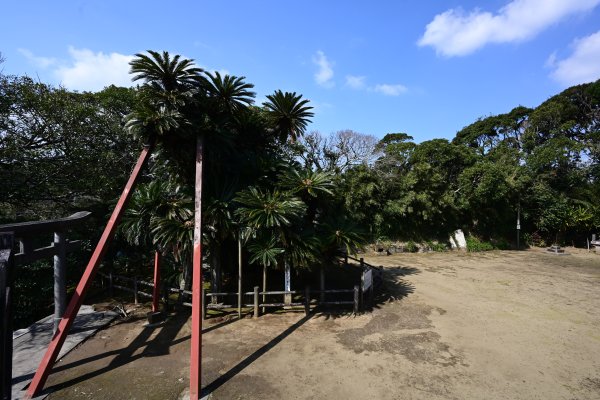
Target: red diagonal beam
(39, 379)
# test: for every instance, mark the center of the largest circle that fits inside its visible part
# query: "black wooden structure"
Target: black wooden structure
(24, 233)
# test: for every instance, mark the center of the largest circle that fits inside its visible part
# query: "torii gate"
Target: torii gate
(43, 371)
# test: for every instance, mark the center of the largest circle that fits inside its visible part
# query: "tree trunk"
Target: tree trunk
(215, 273)
(239, 278)
(264, 297)
(322, 284)
(287, 298)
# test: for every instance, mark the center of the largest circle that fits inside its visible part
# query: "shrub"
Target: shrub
(439, 247)
(411, 247)
(475, 245)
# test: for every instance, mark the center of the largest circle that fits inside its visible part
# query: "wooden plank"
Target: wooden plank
(281, 305)
(32, 227)
(44, 252)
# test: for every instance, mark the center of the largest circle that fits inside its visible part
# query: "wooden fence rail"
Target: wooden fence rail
(255, 294)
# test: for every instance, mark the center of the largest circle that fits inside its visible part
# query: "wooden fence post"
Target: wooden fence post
(356, 297)
(346, 260)
(135, 290)
(362, 262)
(60, 277)
(255, 301)
(307, 300)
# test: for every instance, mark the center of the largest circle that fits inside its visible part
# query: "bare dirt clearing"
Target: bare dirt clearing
(497, 325)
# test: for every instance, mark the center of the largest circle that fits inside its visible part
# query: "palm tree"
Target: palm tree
(289, 114)
(229, 93)
(165, 74)
(273, 214)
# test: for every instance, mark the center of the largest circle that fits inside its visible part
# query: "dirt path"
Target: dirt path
(499, 325)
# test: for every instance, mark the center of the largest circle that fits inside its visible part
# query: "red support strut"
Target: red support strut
(196, 341)
(39, 379)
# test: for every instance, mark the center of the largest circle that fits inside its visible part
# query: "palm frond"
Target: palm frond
(269, 208)
(289, 114)
(307, 181)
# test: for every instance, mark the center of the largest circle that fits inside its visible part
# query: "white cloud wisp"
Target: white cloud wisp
(324, 74)
(582, 66)
(456, 33)
(94, 71)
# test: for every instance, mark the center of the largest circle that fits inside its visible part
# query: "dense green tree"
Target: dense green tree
(61, 151)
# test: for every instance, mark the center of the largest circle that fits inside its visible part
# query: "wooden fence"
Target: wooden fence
(132, 285)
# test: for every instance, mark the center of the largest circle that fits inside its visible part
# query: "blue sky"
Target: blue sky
(426, 68)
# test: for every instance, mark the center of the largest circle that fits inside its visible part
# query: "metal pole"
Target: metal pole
(518, 226)
(39, 379)
(60, 277)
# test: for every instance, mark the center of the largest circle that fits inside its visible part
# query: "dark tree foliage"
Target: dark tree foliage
(59, 150)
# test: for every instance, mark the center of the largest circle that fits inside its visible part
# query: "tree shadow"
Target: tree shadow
(159, 345)
(395, 287)
(217, 383)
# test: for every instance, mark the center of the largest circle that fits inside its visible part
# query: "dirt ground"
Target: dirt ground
(495, 325)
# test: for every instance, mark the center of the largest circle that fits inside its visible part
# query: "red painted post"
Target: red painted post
(39, 379)
(156, 290)
(196, 344)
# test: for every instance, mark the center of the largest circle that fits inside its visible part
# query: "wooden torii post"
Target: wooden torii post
(24, 233)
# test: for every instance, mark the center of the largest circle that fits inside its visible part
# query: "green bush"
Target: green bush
(435, 246)
(475, 245)
(411, 247)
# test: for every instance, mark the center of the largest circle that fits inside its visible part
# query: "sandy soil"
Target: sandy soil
(498, 325)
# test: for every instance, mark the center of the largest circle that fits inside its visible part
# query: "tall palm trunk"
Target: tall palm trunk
(196, 341)
(287, 298)
(264, 296)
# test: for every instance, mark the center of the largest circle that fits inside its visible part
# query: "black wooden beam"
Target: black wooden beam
(27, 228)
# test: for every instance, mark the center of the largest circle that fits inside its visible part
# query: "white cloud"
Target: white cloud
(583, 65)
(456, 33)
(324, 74)
(93, 71)
(390, 90)
(355, 82)
(42, 62)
